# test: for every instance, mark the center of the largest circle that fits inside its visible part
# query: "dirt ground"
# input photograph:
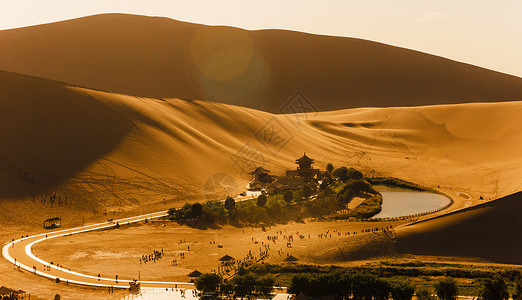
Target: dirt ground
(119, 251)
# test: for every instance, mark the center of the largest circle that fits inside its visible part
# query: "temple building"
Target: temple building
(305, 174)
(304, 170)
(259, 180)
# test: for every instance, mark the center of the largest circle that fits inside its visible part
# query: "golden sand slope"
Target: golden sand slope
(490, 231)
(160, 57)
(123, 150)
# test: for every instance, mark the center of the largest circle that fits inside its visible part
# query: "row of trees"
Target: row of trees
(240, 285)
(366, 286)
(356, 286)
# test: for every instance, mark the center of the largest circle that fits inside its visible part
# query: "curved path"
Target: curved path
(19, 252)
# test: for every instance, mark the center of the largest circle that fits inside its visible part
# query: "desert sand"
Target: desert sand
(165, 58)
(102, 150)
(106, 151)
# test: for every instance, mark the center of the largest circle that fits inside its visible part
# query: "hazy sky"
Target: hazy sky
(483, 33)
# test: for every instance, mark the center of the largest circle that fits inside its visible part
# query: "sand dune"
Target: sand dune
(164, 58)
(113, 150)
(487, 232)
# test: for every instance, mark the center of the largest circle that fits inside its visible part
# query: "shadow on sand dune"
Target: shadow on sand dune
(490, 231)
(51, 129)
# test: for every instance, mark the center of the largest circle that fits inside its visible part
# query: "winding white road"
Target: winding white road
(19, 252)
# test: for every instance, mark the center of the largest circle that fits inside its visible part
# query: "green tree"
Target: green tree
(402, 291)
(288, 196)
(230, 203)
(446, 289)
(354, 174)
(208, 282)
(381, 289)
(264, 285)
(362, 286)
(493, 289)
(517, 294)
(298, 284)
(261, 200)
(197, 210)
(341, 173)
(329, 168)
(244, 285)
(424, 294)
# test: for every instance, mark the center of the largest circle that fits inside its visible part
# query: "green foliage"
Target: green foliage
(517, 294)
(261, 200)
(322, 206)
(341, 173)
(329, 167)
(297, 195)
(395, 182)
(354, 174)
(249, 212)
(208, 282)
(424, 294)
(369, 207)
(362, 286)
(288, 196)
(275, 206)
(402, 291)
(446, 289)
(230, 203)
(307, 191)
(358, 186)
(318, 285)
(381, 289)
(345, 196)
(197, 210)
(226, 288)
(244, 284)
(264, 285)
(493, 289)
(213, 212)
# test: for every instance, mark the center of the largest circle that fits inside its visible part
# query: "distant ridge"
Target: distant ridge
(164, 58)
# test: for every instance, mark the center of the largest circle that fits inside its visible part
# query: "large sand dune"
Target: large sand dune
(124, 151)
(164, 58)
(489, 232)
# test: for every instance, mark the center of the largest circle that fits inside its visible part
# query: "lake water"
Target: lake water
(397, 202)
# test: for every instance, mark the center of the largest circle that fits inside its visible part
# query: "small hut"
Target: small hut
(226, 258)
(290, 258)
(194, 274)
(52, 223)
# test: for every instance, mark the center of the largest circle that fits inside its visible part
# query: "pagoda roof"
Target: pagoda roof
(259, 170)
(304, 159)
